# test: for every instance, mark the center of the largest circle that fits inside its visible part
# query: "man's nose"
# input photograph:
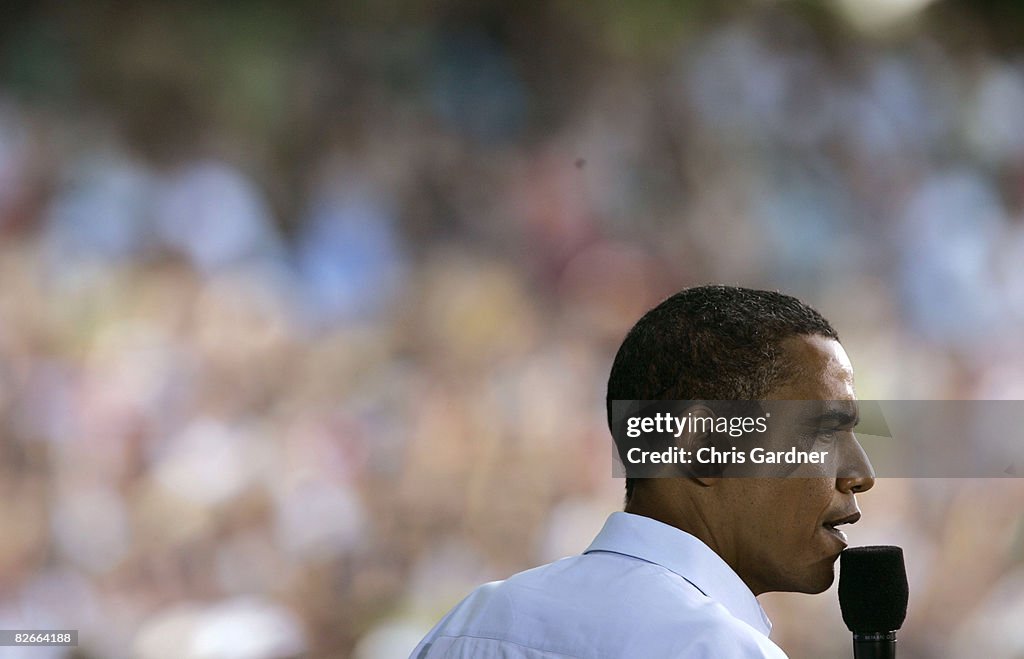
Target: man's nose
(855, 473)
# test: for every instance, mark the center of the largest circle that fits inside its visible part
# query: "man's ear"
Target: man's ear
(698, 435)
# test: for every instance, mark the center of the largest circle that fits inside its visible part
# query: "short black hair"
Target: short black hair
(710, 343)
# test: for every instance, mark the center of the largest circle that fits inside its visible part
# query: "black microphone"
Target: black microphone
(873, 597)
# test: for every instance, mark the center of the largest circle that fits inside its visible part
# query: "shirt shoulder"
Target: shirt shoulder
(711, 637)
(595, 606)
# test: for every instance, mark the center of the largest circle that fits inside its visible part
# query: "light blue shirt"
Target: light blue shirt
(642, 589)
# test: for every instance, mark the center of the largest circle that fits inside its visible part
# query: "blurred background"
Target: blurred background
(307, 309)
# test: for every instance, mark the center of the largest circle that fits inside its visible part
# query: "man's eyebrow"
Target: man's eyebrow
(839, 417)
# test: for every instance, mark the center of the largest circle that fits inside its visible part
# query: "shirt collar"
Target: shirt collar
(678, 551)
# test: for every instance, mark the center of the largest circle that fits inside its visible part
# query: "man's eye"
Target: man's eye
(832, 434)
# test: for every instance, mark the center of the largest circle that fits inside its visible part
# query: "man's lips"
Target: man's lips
(830, 525)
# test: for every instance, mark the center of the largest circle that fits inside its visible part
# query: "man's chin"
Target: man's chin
(824, 582)
(811, 578)
(817, 580)
(820, 588)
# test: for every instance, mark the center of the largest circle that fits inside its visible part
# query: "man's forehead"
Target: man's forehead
(821, 368)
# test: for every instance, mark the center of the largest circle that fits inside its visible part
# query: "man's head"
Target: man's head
(727, 343)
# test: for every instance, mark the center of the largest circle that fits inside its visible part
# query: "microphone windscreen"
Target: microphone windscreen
(873, 588)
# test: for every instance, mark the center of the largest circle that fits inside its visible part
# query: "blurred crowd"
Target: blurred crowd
(306, 316)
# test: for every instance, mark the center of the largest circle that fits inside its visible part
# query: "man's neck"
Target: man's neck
(685, 517)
